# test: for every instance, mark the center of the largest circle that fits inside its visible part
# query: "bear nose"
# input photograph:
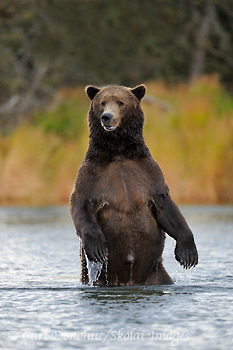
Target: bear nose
(106, 118)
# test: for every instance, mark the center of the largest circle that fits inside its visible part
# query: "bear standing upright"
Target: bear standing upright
(121, 206)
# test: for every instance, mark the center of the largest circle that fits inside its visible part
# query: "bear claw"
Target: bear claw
(186, 254)
(95, 247)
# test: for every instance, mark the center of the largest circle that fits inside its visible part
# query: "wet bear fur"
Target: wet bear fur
(121, 206)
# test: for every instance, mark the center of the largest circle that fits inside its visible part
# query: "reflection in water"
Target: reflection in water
(43, 302)
(133, 294)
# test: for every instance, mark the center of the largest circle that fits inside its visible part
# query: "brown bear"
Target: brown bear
(121, 206)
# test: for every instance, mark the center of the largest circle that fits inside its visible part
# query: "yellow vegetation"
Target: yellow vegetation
(192, 141)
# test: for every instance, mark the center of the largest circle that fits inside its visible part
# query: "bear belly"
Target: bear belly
(135, 245)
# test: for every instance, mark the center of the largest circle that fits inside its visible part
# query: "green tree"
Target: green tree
(47, 44)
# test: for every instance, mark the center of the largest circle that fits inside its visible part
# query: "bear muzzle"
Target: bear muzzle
(108, 122)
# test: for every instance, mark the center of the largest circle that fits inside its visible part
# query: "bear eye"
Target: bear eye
(120, 103)
(103, 103)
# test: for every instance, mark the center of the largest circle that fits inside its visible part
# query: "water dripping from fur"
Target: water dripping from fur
(94, 270)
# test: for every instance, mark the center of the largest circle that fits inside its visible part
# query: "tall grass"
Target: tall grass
(192, 141)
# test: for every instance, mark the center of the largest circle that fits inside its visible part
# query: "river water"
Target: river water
(44, 306)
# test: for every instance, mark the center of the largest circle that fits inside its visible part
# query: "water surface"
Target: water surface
(43, 305)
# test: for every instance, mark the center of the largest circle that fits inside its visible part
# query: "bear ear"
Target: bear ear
(139, 91)
(91, 91)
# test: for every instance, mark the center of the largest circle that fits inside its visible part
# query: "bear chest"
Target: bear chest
(124, 186)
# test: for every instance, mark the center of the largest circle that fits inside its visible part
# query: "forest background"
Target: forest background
(49, 50)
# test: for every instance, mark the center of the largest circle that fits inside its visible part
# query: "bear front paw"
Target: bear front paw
(186, 253)
(95, 246)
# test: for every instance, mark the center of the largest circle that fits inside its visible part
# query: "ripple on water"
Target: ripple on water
(43, 302)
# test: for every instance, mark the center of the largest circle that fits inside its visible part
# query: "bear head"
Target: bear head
(115, 107)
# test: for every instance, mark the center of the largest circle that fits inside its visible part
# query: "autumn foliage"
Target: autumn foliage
(188, 128)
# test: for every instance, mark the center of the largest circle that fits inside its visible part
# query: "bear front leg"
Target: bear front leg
(174, 224)
(87, 227)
